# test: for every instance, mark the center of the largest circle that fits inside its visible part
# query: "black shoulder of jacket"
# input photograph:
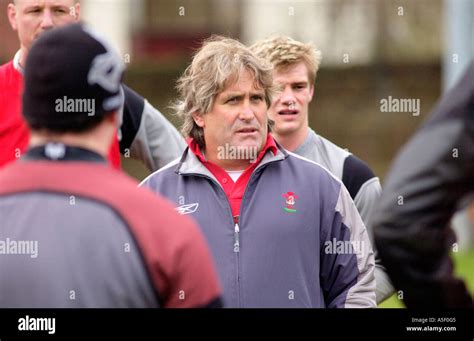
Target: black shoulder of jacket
(354, 174)
(134, 105)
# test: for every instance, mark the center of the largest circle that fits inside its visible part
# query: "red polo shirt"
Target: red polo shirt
(233, 190)
(14, 132)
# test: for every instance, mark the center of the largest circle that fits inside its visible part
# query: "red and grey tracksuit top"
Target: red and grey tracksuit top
(299, 240)
(100, 241)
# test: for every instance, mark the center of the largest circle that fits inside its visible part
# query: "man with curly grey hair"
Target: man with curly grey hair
(295, 67)
(283, 231)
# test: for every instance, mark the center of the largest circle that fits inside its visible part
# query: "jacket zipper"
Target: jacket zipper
(236, 238)
(237, 259)
(236, 245)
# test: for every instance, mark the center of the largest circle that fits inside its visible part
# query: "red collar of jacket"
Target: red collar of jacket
(234, 191)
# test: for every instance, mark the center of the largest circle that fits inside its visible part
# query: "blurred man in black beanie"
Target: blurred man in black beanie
(71, 89)
(78, 232)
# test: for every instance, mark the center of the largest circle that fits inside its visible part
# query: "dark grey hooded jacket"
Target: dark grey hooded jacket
(427, 183)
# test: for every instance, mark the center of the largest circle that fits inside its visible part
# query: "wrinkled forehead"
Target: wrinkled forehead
(238, 76)
(43, 3)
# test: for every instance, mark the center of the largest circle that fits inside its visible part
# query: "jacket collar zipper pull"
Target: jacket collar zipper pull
(236, 238)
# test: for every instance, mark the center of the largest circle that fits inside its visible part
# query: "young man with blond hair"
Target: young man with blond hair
(295, 67)
(276, 224)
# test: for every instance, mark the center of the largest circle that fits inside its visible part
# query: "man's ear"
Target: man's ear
(11, 12)
(311, 92)
(77, 10)
(197, 117)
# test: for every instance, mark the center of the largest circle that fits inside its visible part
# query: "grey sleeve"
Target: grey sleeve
(360, 294)
(157, 141)
(365, 201)
(384, 287)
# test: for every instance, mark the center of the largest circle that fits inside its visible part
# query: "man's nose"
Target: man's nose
(246, 113)
(287, 96)
(47, 20)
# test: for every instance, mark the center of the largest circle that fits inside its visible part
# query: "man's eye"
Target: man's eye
(257, 98)
(60, 11)
(232, 100)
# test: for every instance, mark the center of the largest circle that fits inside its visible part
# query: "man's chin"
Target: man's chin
(250, 143)
(286, 128)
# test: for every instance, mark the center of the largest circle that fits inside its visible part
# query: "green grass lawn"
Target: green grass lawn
(464, 267)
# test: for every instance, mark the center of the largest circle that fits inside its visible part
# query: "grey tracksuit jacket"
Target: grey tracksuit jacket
(314, 252)
(363, 186)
